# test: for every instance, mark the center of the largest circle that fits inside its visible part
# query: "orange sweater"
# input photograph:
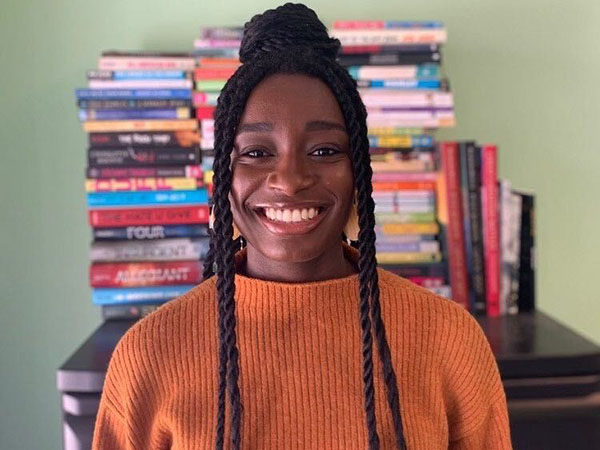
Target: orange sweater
(300, 371)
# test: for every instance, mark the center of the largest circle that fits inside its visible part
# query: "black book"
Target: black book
(150, 232)
(526, 299)
(113, 312)
(470, 166)
(142, 156)
(389, 59)
(179, 138)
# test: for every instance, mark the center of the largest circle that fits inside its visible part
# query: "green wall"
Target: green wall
(524, 74)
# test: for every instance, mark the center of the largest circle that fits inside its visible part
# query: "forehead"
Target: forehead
(285, 98)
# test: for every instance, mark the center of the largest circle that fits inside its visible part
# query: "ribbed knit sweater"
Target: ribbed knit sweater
(301, 371)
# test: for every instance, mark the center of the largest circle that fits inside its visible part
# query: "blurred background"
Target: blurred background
(524, 76)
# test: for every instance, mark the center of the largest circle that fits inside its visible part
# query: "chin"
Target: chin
(294, 251)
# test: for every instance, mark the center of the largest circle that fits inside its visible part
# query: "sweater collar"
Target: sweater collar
(254, 291)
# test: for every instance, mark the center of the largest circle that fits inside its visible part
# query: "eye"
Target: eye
(255, 153)
(325, 151)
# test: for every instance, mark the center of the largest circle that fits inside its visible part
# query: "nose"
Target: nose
(291, 174)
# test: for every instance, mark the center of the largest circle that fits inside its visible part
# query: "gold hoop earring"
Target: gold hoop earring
(352, 228)
(211, 221)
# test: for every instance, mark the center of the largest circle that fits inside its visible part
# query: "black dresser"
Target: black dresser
(551, 376)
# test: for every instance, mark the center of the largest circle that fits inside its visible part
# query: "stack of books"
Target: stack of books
(148, 206)
(216, 53)
(397, 66)
(489, 232)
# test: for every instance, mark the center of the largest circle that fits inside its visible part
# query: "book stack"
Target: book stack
(216, 53)
(489, 229)
(397, 66)
(148, 207)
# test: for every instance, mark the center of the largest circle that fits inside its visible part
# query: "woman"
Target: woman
(274, 351)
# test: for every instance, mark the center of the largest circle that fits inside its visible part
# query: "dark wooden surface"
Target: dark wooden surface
(551, 376)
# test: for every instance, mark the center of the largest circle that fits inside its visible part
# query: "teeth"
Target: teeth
(288, 215)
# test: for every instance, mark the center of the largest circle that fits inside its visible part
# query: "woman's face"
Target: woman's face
(292, 183)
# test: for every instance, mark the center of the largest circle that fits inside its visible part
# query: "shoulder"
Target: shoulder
(424, 307)
(453, 342)
(167, 333)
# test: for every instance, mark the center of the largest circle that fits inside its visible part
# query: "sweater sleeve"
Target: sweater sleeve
(110, 430)
(475, 397)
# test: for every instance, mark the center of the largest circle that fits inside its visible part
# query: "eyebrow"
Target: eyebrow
(315, 125)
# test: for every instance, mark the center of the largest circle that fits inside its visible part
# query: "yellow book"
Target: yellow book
(92, 126)
(208, 176)
(140, 184)
(395, 130)
(410, 228)
(408, 257)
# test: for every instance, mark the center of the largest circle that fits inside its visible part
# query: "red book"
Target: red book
(491, 227)
(145, 274)
(124, 217)
(455, 231)
(205, 112)
(217, 73)
(404, 186)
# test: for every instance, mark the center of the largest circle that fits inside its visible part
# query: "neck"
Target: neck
(328, 265)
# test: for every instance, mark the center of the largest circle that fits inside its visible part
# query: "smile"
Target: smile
(291, 221)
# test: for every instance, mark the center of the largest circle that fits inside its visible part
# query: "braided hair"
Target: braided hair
(291, 39)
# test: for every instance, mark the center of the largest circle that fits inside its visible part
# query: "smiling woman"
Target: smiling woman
(275, 349)
(292, 182)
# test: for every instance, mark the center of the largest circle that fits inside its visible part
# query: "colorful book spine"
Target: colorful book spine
(393, 72)
(491, 235)
(358, 59)
(116, 296)
(132, 114)
(145, 172)
(401, 141)
(471, 163)
(407, 228)
(140, 84)
(142, 156)
(145, 274)
(95, 126)
(182, 249)
(145, 63)
(134, 104)
(407, 257)
(137, 75)
(456, 239)
(134, 94)
(181, 138)
(387, 36)
(384, 24)
(149, 232)
(121, 199)
(140, 184)
(124, 217)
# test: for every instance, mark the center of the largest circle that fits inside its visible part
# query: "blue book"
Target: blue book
(429, 70)
(421, 140)
(145, 198)
(146, 294)
(116, 94)
(407, 83)
(150, 232)
(130, 114)
(402, 24)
